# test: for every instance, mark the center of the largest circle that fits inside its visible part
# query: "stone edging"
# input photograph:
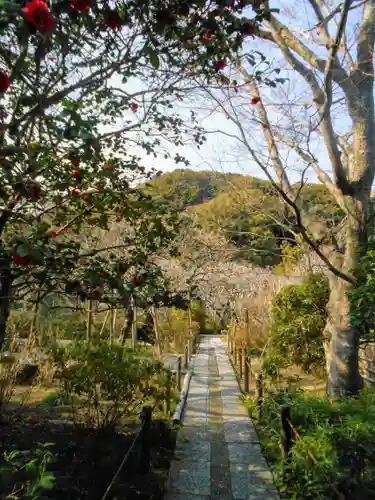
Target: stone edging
(183, 396)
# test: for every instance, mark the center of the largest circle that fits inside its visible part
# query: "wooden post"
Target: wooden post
(156, 331)
(246, 373)
(134, 324)
(104, 323)
(167, 403)
(145, 455)
(190, 348)
(186, 360)
(89, 320)
(287, 431)
(259, 390)
(179, 371)
(113, 325)
(247, 319)
(240, 362)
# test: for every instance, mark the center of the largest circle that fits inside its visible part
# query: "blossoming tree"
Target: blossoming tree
(81, 82)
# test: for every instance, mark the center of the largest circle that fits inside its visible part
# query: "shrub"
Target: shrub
(104, 384)
(298, 320)
(24, 473)
(333, 446)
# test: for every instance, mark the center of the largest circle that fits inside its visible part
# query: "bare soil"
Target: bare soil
(85, 460)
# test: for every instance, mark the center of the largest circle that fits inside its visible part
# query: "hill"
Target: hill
(246, 211)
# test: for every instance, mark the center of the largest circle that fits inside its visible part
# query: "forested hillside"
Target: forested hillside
(246, 211)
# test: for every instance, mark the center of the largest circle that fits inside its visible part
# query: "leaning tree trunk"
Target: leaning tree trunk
(6, 280)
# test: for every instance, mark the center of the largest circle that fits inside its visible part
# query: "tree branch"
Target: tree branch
(339, 75)
(366, 40)
(319, 100)
(322, 176)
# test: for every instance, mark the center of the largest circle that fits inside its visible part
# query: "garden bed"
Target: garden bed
(333, 445)
(85, 460)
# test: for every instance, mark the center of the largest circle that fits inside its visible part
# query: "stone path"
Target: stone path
(217, 456)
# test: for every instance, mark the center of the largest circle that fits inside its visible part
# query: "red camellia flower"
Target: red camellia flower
(81, 5)
(76, 173)
(207, 35)
(247, 28)
(134, 107)
(86, 197)
(53, 234)
(32, 420)
(76, 192)
(4, 82)
(109, 165)
(21, 260)
(134, 282)
(113, 19)
(36, 12)
(75, 163)
(220, 64)
(254, 100)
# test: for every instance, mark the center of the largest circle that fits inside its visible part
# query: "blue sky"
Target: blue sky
(222, 153)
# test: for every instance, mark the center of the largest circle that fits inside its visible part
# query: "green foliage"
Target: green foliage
(333, 445)
(104, 384)
(51, 398)
(298, 319)
(290, 255)
(24, 473)
(362, 296)
(244, 210)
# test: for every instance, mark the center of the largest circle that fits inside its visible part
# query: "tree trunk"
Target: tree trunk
(6, 280)
(342, 342)
(342, 338)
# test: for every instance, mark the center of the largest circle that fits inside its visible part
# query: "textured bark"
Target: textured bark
(341, 336)
(342, 343)
(5, 295)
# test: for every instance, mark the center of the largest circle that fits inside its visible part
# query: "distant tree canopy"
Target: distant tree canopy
(246, 210)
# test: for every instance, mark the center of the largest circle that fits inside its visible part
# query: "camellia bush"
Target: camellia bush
(81, 83)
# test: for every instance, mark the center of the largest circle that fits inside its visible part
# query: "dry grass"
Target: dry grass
(173, 328)
(11, 367)
(253, 313)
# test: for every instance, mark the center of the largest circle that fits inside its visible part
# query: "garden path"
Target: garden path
(218, 455)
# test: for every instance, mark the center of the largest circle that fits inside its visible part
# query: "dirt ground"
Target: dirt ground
(85, 460)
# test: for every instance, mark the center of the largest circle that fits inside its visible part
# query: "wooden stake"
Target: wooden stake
(246, 373)
(179, 372)
(113, 325)
(259, 387)
(104, 323)
(240, 362)
(186, 361)
(247, 328)
(190, 348)
(156, 331)
(134, 324)
(89, 321)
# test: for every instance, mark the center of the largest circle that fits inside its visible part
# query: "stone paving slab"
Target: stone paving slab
(191, 476)
(217, 455)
